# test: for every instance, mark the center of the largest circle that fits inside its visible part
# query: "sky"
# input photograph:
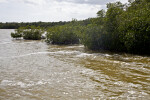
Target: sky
(50, 10)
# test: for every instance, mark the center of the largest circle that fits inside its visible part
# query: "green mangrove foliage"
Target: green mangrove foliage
(65, 34)
(17, 34)
(123, 28)
(92, 37)
(28, 33)
(134, 27)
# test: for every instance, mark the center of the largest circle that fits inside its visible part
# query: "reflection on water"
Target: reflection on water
(33, 70)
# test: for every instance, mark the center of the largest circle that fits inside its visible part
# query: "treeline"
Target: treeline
(122, 28)
(16, 25)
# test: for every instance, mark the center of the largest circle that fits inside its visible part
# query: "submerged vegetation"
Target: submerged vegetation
(28, 33)
(17, 34)
(122, 28)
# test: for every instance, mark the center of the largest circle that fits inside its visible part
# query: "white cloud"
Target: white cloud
(40, 2)
(3, 1)
(49, 10)
(91, 2)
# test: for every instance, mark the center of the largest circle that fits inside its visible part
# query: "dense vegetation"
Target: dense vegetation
(65, 34)
(28, 33)
(134, 27)
(122, 28)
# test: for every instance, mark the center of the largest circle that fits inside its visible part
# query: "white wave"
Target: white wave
(5, 43)
(75, 46)
(16, 43)
(5, 82)
(70, 47)
(134, 85)
(25, 55)
(107, 55)
(120, 83)
(22, 84)
(84, 55)
(67, 52)
(37, 53)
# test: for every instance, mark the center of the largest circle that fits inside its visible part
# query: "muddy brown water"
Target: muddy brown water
(34, 70)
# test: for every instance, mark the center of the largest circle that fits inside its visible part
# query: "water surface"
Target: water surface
(34, 70)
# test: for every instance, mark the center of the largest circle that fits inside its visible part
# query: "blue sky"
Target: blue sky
(50, 10)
